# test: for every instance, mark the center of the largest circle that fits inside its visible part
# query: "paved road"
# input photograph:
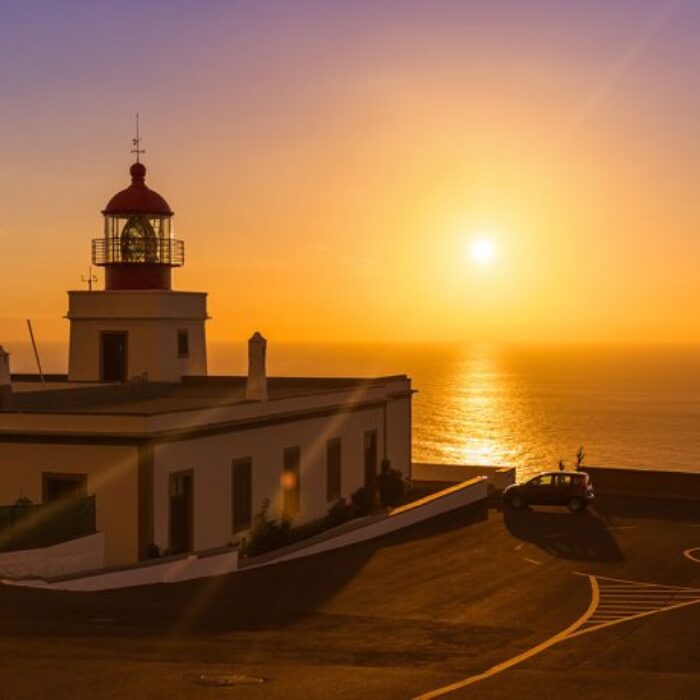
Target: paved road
(418, 611)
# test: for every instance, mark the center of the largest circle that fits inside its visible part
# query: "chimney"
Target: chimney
(256, 387)
(6, 398)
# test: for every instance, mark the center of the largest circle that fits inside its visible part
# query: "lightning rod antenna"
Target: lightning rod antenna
(137, 142)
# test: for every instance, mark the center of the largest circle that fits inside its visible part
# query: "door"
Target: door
(370, 458)
(181, 512)
(242, 501)
(113, 356)
(542, 490)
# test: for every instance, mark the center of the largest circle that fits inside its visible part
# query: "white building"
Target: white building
(174, 457)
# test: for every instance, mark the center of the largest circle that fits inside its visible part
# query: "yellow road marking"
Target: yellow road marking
(610, 623)
(439, 692)
(602, 619)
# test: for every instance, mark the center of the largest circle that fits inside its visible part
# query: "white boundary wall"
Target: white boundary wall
(80, 554)
(498, 477)
(170, 571)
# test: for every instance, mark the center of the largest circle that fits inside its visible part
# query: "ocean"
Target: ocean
(522, 406)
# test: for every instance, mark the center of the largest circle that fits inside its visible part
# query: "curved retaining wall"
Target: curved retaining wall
(80, 554)
(431, 506)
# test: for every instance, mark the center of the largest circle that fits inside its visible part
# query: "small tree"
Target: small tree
(562, 465)
(267, 533)
(340, 512)
(580, 456)
(363, 500)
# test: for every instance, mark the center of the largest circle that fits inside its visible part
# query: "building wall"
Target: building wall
(151, 318)
(210, 459)
(399, 417)
(111, 476)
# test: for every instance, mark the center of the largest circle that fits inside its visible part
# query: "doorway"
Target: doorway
(181, 512)
(113, 356)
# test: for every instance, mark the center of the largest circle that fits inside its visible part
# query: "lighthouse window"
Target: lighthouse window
(183, 343)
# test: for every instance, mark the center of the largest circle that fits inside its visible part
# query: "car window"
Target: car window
(544, 480)
(564, 480)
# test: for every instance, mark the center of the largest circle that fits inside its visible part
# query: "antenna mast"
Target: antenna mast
(90, 279)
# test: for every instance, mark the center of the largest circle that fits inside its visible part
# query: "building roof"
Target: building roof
(138, 198)
(154, 398)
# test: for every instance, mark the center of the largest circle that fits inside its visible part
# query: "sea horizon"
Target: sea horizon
(510, 404)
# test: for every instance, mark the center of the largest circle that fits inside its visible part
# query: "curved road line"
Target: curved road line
(598, 622)
(688, 554)
(595, 596)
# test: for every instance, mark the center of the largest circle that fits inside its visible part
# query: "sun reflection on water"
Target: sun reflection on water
(476, 413)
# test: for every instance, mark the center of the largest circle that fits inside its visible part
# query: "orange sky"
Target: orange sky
(329, 168)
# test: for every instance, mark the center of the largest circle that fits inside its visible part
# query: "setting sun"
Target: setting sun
(483, 251)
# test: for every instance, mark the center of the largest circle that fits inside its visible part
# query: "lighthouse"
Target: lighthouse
(138, 328)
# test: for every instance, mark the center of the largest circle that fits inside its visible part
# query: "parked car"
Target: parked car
(562, 488)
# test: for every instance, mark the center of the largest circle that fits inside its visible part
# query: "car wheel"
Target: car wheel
(576, 505)
(517, 502)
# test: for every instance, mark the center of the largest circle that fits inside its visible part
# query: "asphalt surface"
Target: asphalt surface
(395, 618)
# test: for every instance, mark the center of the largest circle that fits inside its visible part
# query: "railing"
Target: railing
(158, 251)
(29, 525)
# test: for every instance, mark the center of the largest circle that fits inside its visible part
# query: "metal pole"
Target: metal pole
(36, 353)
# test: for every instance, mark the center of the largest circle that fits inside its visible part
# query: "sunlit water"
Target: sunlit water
(521, 406)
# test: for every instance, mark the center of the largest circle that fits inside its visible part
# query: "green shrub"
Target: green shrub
(340, 512)
(364, 500)
(391, 485)
(267, 533)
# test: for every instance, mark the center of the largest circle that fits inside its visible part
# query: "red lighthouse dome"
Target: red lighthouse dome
(137, 198)
(137, 249)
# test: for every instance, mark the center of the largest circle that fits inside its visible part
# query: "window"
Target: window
(545, 480)
(62, 487)
(242, 496)
(290, 480)
(333, 470)
(183, 343)
(370, 453)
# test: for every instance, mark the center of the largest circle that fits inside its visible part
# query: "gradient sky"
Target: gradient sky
(329, 162)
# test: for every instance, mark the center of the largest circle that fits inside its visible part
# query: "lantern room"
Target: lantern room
(138, 250)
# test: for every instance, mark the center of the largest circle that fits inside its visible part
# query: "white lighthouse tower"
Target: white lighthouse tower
(138, 327)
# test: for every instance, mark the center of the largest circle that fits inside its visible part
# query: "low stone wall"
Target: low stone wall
(620, 481)
(498, 477)
(80, 554)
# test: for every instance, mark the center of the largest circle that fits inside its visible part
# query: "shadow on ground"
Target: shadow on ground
(580, 537)
(272, 596)
(657, 508)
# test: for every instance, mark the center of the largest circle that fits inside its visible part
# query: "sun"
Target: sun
(483, 251)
